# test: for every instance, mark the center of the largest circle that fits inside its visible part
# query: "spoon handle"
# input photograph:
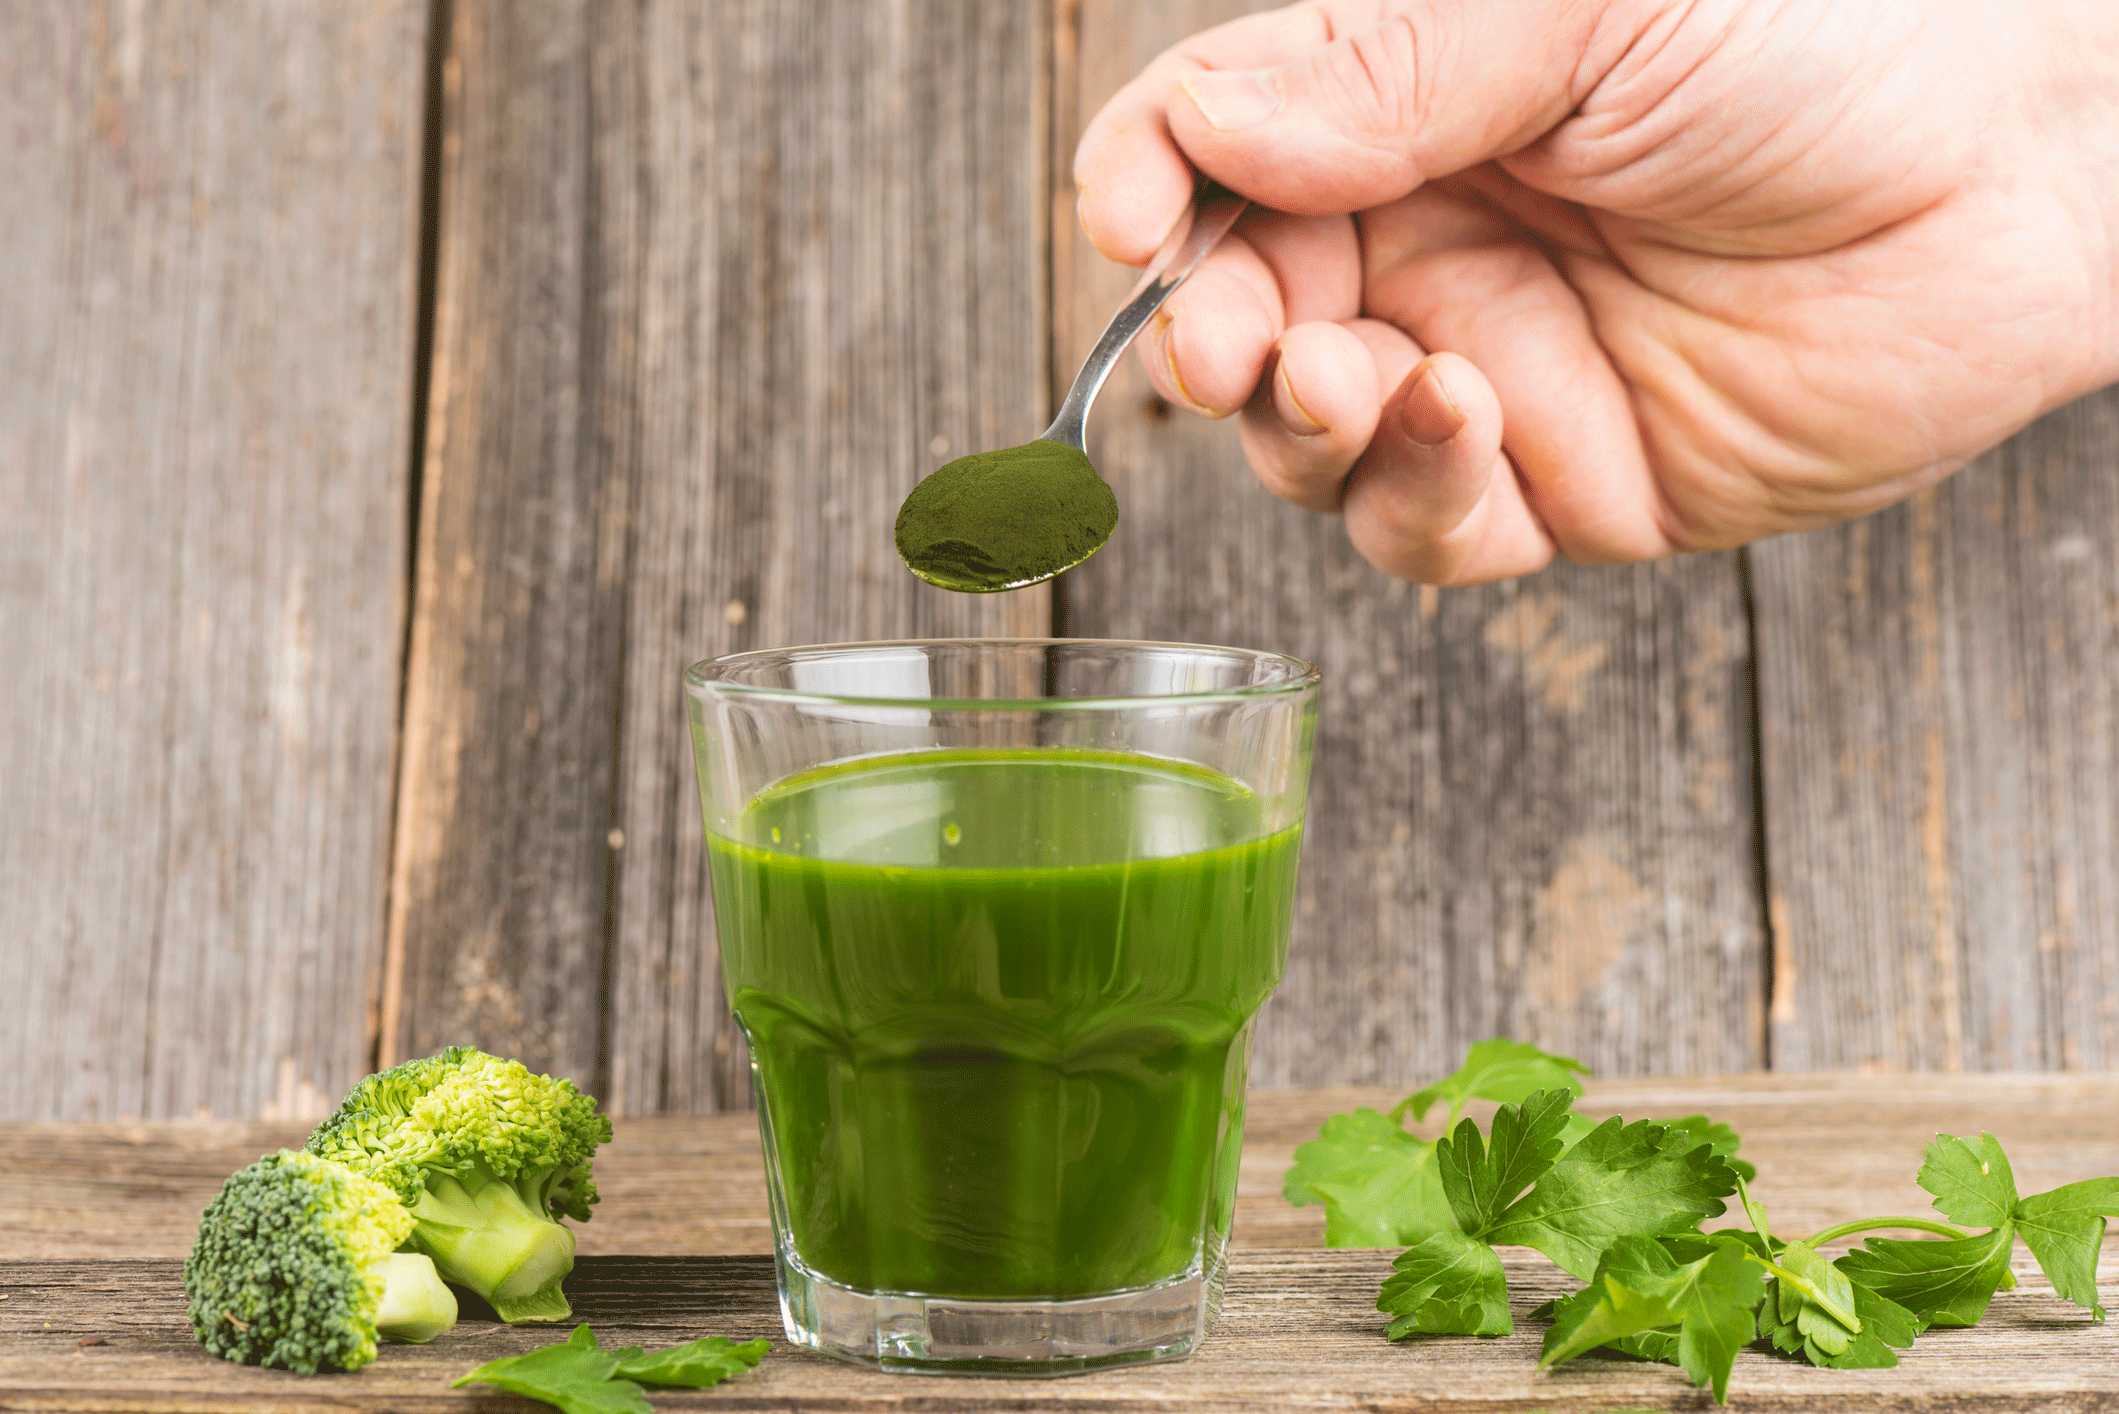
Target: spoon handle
(1213, 211)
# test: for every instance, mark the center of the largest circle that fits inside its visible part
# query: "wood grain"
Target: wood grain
(1297, 1330)
(1532, 808)
(1828, 1148)
(100, 1213)
(833, 281)
(718, 285)
(1940, 726)
(497, 922)
(206, 358)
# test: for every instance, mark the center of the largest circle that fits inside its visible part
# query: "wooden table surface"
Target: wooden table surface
(100, 1216)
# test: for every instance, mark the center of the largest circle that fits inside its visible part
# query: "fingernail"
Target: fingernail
(1427, 416)
(1229, 101)
(1293, 415)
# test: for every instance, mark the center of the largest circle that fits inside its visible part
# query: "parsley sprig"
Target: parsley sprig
(1620, 1206)
(579, 1378)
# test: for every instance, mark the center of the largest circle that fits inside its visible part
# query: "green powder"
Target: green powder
(1000, 520)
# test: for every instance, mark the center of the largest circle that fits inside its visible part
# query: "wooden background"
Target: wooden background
(395, 396)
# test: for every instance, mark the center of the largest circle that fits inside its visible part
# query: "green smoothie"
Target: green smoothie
(999, 1004)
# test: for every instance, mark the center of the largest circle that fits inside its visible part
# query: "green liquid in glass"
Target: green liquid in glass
(999, 1003)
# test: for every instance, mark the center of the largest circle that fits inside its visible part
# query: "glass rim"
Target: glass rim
(1303, 678)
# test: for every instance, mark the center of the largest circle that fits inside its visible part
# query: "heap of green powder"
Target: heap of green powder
(997, 520)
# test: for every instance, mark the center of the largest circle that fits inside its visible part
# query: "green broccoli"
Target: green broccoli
(484, 1154)
(294, 1268)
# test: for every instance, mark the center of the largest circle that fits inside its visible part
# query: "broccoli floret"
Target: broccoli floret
(485, 1154)
(294, 1268)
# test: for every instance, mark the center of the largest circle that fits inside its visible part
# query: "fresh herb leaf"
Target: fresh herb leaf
(1718, 1296)
(1508, 1072)
(581, 1379)
(1816, 1308)
(1972, 1183)
(1602, 1313)
(1717, 1136)
(697, 1364)
(1446, 1284)
(1886, 1327)
(1659, 1346)
(2064, 1229)
(574, 1375)
(1641, 1290)
(1623, 1180)
(1816, 1298)
(1579, 1127)
(1946, 1282)
(1810, 1307)
(1620, 1204)
(1378, 1184)
(1481, 1178)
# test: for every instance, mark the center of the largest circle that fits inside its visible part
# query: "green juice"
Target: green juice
(999, 1003)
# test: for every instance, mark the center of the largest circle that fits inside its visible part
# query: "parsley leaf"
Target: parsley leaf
(1640, 1180)
(1481, 1178)
(2064, 1229)
(1381, 1186)
(1972, 1183)
(697, 1364)
(1620, 1205)
(573, 1375)
(1816, 1298)
(1885, 1325)
(1446, 1284)
(1642, 1288)
(1950, 1283)
(581, 1379)
(1378, 1184)
(1508, 1072)
(1622, 1180)
(1605, 1312)
(1718, 1137)
(1947, 1282)
(1817, 1308)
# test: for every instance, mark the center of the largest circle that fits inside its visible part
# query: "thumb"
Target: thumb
(1435, 88)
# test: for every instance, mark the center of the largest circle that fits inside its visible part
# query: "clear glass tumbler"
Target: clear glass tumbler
(995, 917)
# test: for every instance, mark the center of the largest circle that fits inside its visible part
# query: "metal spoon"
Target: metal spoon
(1002, 520)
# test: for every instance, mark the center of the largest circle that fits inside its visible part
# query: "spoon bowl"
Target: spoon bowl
(1018, 516)
(1005, 519)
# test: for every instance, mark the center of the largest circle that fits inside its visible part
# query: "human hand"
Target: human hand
(1621, 278)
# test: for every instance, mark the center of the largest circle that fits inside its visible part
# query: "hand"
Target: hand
(1622, 278)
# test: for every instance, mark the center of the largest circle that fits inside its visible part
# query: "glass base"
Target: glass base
(913, 1334)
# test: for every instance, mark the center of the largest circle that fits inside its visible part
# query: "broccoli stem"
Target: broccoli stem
(417, 1304)
(482, 1233)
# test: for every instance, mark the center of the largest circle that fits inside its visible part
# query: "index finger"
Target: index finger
(1133, 178)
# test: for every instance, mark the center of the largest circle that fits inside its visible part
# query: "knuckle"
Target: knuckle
(1371, 81)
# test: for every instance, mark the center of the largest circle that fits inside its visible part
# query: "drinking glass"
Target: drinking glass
(995, 916)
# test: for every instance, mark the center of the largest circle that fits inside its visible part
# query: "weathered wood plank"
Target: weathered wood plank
(835, 281)
(1297, 1330)
(498, 891)
(1828, 1147)
(1532, 806)
(1939, 697)
(718, 285)
(206, 380)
